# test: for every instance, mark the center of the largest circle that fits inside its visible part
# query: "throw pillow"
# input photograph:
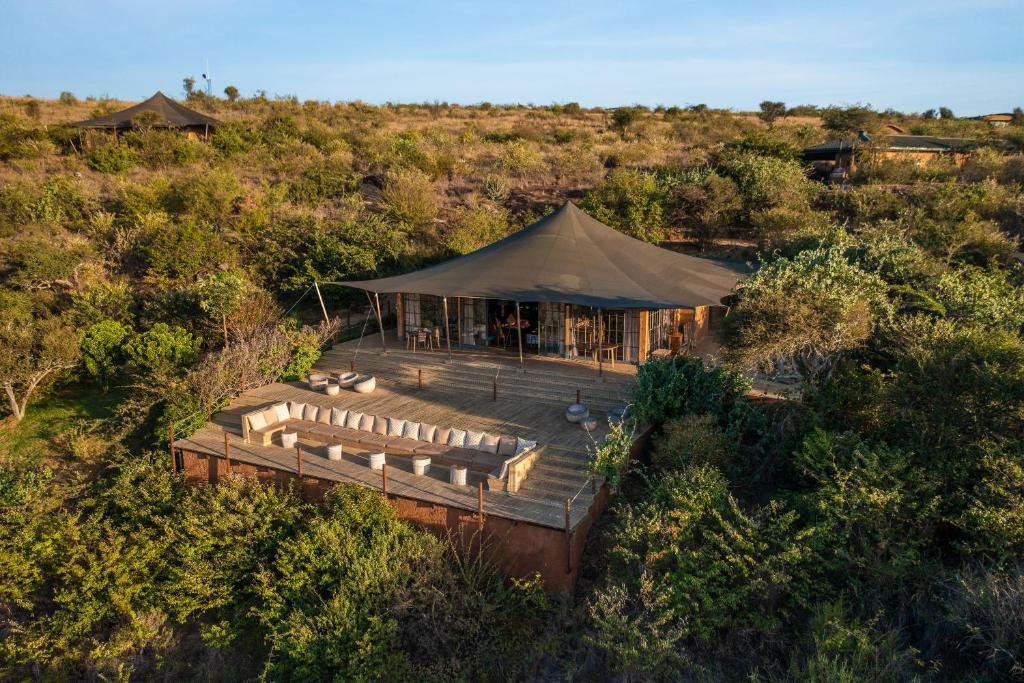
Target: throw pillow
(270, 415)
(366, 423)
(473, 439)
(353, 419)
(411, 430)
(441, 435)
(282, 412)
(457, 437)
(395, 426)
(489, 444)
(380, 425)
(524, 446)
(427, 432)
(257, 421)
(295, 410)
(310, 412)
(507, 446)
(338, 416)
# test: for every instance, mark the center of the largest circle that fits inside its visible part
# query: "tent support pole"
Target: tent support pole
(447, 334)
(600, 343)
(380, 320)
(321, 299)
(519, 332)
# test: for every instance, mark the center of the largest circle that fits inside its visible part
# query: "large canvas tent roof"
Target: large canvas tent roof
(169, 113)
(573, 258)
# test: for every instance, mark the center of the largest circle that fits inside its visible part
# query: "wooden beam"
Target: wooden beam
(447, 334)
(643, 341)
(519, 333)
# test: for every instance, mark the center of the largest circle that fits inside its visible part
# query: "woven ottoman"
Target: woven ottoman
(577, 412)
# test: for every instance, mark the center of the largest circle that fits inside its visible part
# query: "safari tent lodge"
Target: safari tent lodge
(567, 286)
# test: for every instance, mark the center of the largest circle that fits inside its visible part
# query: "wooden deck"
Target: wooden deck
(530, 403)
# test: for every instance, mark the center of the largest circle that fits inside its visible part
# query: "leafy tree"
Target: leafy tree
(846, 120)
(221, 294)
(231, 92)
(102, 348)
(631, 202)
(771, 111)
(687, 565)
(624, 117)
(985, 298)
(946, 113)
(802, 315)
(188, 84)
(709, 207)
(34, 348)
(67, 98)
(326, 600)
(163, 351)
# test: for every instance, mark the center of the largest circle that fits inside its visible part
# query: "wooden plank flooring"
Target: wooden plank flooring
(562, 467)
(433, 488)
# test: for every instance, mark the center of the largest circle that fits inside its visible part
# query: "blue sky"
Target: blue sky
(911, 55)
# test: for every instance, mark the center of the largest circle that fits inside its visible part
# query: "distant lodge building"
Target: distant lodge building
(159, 111)
(567, 286)
(995, 120)
(837, 159)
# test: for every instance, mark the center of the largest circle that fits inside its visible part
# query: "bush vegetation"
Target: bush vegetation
(867, 526)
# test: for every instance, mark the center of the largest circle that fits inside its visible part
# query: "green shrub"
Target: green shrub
(683, 385)
(305, 353)
(608, 459)
(103, 350)
(163, 351)
(112, 157)
(631, 202)
(326, 599)
(409, 196)
(688, 565)
(692, 440)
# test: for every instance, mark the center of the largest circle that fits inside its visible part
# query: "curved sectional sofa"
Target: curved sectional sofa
(485, 453)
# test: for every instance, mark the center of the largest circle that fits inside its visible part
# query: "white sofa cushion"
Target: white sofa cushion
(457, 437)
(366, 423)
(310, 412)
(524, 446)
(507, 445)
(282, 411)
(427, 432)
(353, 419)
(411, 430)
(295, 410)
(396, 427)
(257, 421)
(338, 416)
(473, 439)
(488, 444)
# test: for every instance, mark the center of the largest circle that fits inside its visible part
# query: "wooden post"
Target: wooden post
(600, 340)
(227, 453)
(480, 504)
(519, 333)
(419, 377)
(321, 299)
(380, 320)
(447, 334)
(384, 479)
(568, 535)
(170, 440)
(578, 395)
(298, 464)
(352, 366)
(494, 395)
